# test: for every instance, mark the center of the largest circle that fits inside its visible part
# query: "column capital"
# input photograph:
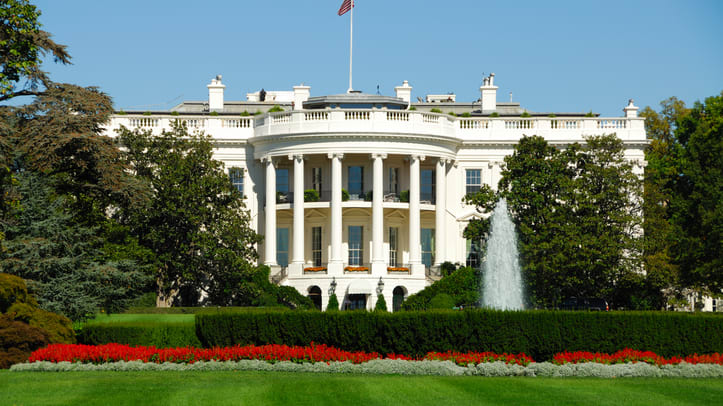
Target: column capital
(491, 164)
(293, 157)
(333, 155)
(376, 155)
(418, 157)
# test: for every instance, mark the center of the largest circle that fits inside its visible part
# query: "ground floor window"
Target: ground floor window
(356, 302)
(428, 246)
(397, 298)
(315, 296)
(356, 247)
(473, 253)
(282, 246)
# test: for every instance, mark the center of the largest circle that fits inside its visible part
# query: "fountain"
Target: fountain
(502, 283)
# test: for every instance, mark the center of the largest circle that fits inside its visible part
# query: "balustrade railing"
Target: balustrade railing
(356, 115)
(565, 124)
(237, 123)
(612, 123)
(397, 116)
(144, 122)
(522, 124)
(316, 115)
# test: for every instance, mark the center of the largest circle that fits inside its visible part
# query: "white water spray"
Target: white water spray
(502, 277)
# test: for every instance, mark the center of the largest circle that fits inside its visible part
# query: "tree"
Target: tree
(333, 304)
(696, 204)
(381, 304)
(195, 222)
(577, 217)
(22, 42)
(62, 260)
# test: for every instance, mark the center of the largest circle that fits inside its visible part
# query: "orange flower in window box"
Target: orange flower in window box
(397, 269)
(315, 269)
(356, 269)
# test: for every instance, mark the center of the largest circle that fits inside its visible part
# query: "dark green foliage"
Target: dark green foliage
(494, 114)
(404, 196)
(435, 110)
(13, 290)
(58, 328)
(276, 109)
(447, 268)
(311, 195)
(18, 340)
(163, 335)
(540, 334)
(441, 301)
(525, 114)
(381, 304)
(344, 195)
(463, 285)
(333, 304)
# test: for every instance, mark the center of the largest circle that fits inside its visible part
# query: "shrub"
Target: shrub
(404, 196)
(333, 303)
(18, 340)
(214, 113)
(494, 114)
(175, 113)
(447, 268)
(525, 114)
(435, 110)
(590, 114)
(344, 195)
(245, 113)
(463, 285)
(441, 301)
(539, 334)
(311, 195)
(58, 328)
(13, 290)
(465, 114)
(162, 335)
(412, 108)
(275, 109)
(381, 304)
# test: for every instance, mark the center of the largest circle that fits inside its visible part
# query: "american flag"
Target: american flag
(346, 6)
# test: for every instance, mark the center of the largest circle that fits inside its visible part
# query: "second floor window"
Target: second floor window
(316, 179)
(393, 181)
(474, 180)
(237, 179)
(427, 186)
(282, 181)
(356, 182)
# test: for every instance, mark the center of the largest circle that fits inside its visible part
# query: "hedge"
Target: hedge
(161, 335)
(539, 334)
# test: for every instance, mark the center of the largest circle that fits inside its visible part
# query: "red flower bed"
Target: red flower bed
(628, 355)
(479, 357)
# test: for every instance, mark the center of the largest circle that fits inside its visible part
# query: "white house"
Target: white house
(384, 177)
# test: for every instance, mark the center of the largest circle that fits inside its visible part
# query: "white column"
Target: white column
(270, 212)
(336, 262)
(440, 212)
(490, 175)
(378, 257)
(297, 256)
(415, 253)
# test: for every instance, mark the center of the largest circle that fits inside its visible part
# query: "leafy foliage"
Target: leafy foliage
(333, 304)
(462, 286)
(381, 304)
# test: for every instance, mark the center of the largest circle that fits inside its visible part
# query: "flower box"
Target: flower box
(400, 269)
(356, 269)
(315, 269)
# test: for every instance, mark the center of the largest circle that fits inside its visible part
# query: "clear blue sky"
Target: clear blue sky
(552, 55)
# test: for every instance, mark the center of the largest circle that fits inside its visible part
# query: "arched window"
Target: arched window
(398, 297)
(315, 296)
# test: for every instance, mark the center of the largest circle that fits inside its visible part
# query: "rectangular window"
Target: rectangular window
(356, 183)
(316, 245)
(316, 179)
(282, 247)
(282, 185)
(394, 181)
(427, 246)
(473, 254)
(427, 186)
(356, 247)
(474, 180)
(393, 245)
(237, 179)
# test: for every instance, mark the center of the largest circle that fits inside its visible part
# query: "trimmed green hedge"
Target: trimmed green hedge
(539, 334)
(162, 335)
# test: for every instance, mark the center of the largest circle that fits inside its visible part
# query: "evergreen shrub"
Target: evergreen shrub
(18, 340)
(161, 335)
(537, 333)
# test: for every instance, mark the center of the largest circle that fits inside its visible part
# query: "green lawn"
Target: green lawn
(274, 388)
(151, 318)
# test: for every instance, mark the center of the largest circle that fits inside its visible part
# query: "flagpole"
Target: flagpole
(351, 34)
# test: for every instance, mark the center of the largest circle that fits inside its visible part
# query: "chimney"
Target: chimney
(301, 94)
(488, 91)
(215, 94)
(404, 91)
(631, 110)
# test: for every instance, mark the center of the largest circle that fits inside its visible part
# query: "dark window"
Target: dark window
(315, 296)
(397, 298)
(356, 182)
(356, 247)
(473, 253)
(393, 245)
(282, 247)
(427, 186)
(356, 302)
(427, 246)
(316, 245)
(316, 179)
(237, 179)
(282, 181)
(474, 180)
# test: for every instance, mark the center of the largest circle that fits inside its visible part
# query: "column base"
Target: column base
(296, 269)
(379, 268)
(335, 268)
(417, 269)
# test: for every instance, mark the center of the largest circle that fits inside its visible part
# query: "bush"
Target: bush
(18, 340)
(525, 114)
(344, 195)
(311, 195)
(447, 268)
(275, 109)
(381, 304)
(463, 285)
(58, 328)
(494, 114)
(333, 303)
(13, 290)
(404, 196)
(539, 334)
(162, 335)
(435, 110)
(441, 301)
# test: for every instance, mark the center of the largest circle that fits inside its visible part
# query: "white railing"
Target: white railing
(356, 115)
(612, 123)
(236, 123)
(565, 124)
(143, 121)
(466, 124)
(194, 122)
(280, 118)
(316, 115)
(397, 116)
(522, 124)
(430, 118)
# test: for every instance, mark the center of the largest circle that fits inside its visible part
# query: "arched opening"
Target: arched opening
(315, 296)
(398, 297)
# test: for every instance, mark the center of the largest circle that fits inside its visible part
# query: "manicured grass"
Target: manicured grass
(147, 318)
(274, 388)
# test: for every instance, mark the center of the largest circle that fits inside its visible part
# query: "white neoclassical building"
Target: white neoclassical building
(359, 193)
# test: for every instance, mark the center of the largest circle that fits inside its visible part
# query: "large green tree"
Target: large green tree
(577, 216)
(195, 222)
(696, 204)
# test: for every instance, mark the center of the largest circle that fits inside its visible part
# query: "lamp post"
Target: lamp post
(380, 286)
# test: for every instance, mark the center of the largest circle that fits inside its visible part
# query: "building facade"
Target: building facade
(359, 194)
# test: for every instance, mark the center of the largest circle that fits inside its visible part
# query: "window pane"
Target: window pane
(427, 185)
(282, 246)
(356, 181)
(237, 179)
(427, 246)
(282, 180)
(474, 180)
(356, 252)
